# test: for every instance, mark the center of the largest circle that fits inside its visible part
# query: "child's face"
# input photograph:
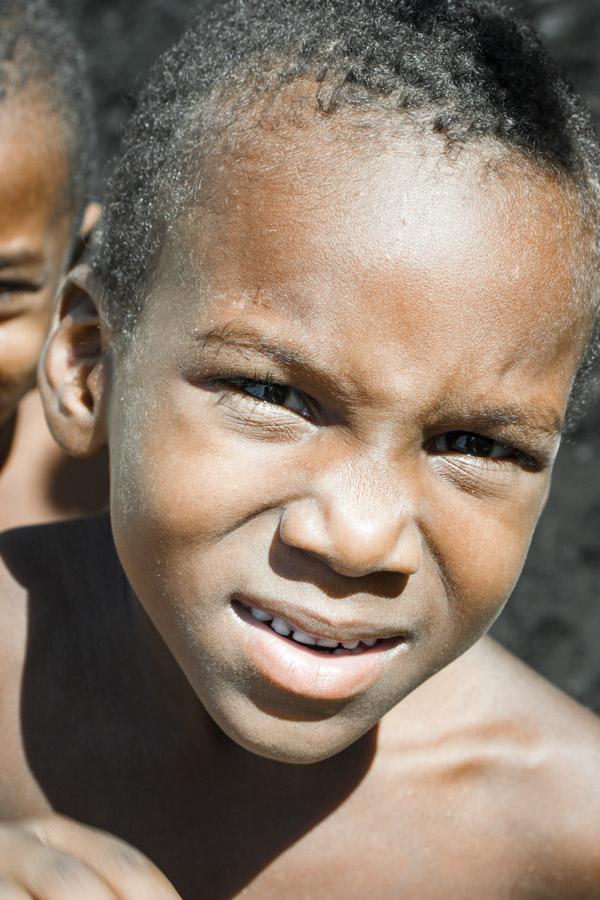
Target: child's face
(35, 234)
(417, 315)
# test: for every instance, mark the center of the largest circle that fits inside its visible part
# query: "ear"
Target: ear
(91, 218)
(74, 369)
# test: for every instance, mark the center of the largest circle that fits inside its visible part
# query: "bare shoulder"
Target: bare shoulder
(514, 764)
(564, 763)
(13, 615)
(529, 755)
(43, 571)
(23, 553)
(40, 568)
(564, 742)
(26, 563)
(562, 735)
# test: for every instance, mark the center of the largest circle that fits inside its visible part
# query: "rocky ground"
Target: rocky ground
(553, 619)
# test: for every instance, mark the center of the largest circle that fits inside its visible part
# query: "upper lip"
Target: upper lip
(317, 625)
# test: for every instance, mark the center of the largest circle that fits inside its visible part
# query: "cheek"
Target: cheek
(185, 477)
(182, 486)
(21, 341)
(480, 549)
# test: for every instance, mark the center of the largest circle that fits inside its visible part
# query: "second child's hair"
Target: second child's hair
(38, 52)
(466, 70)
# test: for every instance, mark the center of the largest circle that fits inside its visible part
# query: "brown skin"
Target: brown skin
(38, 482)
(421, 297)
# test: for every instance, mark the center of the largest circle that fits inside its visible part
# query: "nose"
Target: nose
(356, 530)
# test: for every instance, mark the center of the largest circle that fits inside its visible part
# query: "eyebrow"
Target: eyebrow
(546, 422)
(238, 339)
(247, 340)
(527, 418)
(12, 261)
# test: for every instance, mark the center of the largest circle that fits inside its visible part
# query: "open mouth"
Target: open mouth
(309, 660)
(322, 645)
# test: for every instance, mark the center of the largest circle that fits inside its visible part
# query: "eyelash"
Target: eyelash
(499, 452)
(8, 289)
(239, 383)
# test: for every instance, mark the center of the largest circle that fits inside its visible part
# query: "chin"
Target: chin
(298, 743)
(290, 753)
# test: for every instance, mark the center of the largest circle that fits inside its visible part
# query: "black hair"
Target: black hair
(38, 51)
(467, 67)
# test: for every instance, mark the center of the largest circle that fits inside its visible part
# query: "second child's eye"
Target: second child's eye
(274, 394)
(468, 444)
(10, 287)
(12, 291)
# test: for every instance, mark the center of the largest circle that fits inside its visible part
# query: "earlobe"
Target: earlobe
(73, 373)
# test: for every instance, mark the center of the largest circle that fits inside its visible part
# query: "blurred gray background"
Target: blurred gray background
(553, 619)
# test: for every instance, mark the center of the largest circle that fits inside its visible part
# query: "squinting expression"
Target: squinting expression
(332, 435)
(35, 234)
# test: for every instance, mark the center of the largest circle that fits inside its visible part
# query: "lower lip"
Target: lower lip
(309, 673)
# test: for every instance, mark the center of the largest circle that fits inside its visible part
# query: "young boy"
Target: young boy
(348, 275)
(46, 165)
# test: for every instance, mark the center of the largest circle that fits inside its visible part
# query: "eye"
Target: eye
(11, 289)
(468, 444)
(273, 394)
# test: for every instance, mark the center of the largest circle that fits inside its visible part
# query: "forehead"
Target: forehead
(378, 250)
(33, 170)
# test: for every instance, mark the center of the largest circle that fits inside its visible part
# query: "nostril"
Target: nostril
(352, 541)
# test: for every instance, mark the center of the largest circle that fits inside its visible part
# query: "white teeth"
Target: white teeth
(281, 627)
(304, 638)
(260, 615)
(285, 630)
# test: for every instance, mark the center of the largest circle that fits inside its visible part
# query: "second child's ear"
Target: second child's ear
(91, 218)
(73, 373)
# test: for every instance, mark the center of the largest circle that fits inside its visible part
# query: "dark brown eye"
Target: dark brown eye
(469, 444)
(10, 289)
(274, 394)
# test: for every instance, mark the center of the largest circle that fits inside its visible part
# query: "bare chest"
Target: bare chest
(414, 845)
(221, 841)
(443, 823)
